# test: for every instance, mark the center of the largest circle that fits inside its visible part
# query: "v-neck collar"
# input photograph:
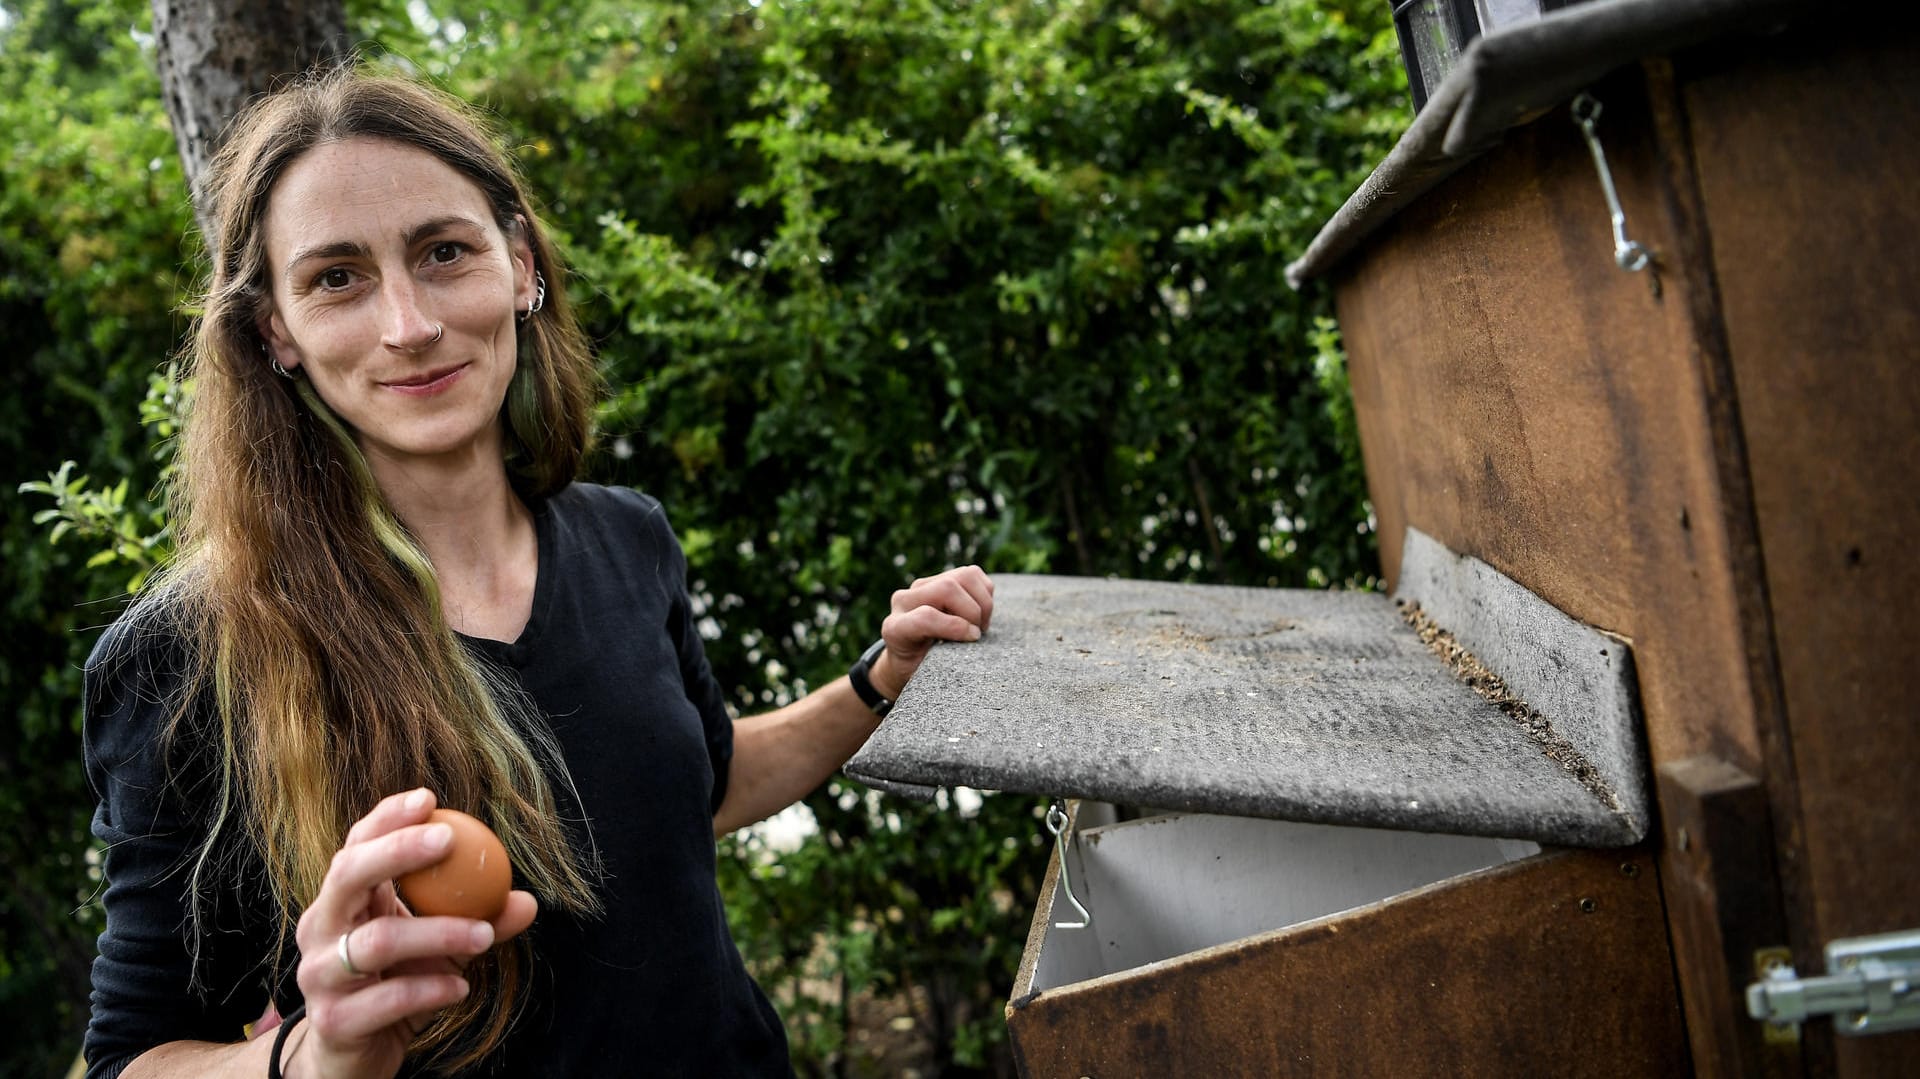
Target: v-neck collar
(519, 651)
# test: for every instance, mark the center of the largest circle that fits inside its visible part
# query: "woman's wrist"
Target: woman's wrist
(286, 1041)
(886, 677)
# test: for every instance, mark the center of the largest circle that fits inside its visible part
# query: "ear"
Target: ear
(280, 346)
(520, 250)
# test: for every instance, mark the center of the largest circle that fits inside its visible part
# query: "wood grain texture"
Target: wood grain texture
(1723, 901)
(1612, 476)
(1528, 403)
(1805, 156)
(1714, 946)
(1723, 471)
(1555, 965)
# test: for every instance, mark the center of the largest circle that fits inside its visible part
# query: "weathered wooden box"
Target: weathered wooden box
(1714, 460)
(1355, 853)
(1716, 457)
(1229, 946)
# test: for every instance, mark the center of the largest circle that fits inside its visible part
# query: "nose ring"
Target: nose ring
(439, 331)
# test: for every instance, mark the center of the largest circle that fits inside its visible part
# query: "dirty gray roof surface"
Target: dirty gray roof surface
(1288, 704)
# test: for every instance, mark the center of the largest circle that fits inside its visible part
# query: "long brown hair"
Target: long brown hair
(315, 617)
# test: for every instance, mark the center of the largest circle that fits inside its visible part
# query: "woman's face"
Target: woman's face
(395, 291)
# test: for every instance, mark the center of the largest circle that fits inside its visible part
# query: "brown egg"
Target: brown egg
(470, 882)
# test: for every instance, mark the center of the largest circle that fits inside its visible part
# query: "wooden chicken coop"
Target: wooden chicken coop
(1631, 754)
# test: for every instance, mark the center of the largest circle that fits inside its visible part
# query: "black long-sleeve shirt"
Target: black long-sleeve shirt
(612, 655)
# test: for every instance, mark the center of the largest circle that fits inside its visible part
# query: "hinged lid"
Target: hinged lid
(1289, 704)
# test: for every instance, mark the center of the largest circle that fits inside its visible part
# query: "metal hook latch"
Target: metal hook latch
(1057, 824)
(1631, 255)
(1874, 987)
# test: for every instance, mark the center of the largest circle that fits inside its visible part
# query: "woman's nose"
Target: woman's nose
(408, 329)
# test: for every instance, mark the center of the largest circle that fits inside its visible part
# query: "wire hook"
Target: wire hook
(1629, 254)
(1057, 824)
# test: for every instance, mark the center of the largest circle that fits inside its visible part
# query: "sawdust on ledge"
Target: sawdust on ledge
(1467, 668)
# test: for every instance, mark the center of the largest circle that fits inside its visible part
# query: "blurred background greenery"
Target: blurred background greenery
(879, 286)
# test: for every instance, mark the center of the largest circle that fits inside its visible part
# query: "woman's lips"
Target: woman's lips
(428, 384)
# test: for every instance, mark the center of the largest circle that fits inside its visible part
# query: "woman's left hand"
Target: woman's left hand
(953, 606)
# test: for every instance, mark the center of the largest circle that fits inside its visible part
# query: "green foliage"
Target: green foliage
(91, 219)
(135, 534)
(879, 286)
(926, 907)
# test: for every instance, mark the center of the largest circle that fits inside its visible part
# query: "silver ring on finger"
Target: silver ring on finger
(346, 957)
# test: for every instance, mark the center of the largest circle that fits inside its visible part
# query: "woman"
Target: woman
(391, 595)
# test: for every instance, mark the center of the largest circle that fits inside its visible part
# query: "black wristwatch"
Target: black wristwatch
(858, 674)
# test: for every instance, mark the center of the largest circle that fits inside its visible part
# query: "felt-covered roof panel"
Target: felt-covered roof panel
(1288, 704)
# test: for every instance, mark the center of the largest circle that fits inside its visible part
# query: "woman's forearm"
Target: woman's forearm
(215, 1060)
(781, 756)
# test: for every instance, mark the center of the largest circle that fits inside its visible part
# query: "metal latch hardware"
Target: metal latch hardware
(1631, 255)
(1876, 987)
(1060, 824)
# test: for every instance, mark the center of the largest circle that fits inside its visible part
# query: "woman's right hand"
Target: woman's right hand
(404, 969)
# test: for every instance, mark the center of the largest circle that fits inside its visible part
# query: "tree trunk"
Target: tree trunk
(216, 55)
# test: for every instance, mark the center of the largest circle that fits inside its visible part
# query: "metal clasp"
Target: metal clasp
(1632, 256)
(1876, 989)
(1057, 824)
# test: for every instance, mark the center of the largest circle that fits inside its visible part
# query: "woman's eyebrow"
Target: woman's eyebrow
(351, 249)
(436, 224)
(337, 249)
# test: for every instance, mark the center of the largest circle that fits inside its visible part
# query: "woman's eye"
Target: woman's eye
(334, 279)
(445, 252)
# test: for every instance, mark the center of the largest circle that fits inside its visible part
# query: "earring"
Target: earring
(539, 296)
(274, 361)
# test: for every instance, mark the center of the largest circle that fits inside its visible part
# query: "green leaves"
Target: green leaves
(92, 264)
(101, 516)
(933, 283)
(134, 535)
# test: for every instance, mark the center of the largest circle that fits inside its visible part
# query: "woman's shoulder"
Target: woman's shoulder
(623, 531)
(148, 641)
(135, 677)
(600, 498)
(622, 510)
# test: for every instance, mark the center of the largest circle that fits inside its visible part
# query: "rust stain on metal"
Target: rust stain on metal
(1478, 677)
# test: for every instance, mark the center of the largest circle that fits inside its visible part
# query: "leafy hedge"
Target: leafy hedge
(91, 223)
(880, 286)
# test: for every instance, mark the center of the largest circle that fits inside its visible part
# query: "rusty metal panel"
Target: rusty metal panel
(1554, 965)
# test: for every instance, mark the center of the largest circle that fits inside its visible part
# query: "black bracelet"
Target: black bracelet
(280, 1039)
(863, 685)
